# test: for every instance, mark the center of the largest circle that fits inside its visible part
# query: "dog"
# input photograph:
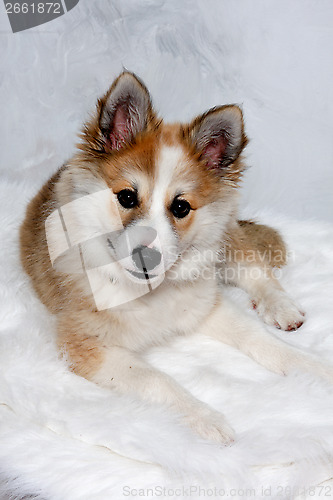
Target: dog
(133, 241)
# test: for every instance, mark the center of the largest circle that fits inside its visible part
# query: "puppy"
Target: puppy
(132, 241)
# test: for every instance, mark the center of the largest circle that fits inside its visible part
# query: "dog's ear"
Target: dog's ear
(124, 112)
(218, 136)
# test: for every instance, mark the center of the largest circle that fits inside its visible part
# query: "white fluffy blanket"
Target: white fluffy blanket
(63, 438)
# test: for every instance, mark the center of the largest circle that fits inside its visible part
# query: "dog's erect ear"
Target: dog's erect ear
(218, 135)
(124, 112)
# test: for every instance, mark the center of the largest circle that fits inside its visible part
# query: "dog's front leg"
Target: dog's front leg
(268, 297)
(120, 369)
(251, 253)
(231, 326)
(127, 373)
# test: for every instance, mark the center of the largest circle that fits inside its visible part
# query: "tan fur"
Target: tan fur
(54, 290)
(257, 243)
(85, 351)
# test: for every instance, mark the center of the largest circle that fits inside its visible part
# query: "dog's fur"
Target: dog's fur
(126, 147)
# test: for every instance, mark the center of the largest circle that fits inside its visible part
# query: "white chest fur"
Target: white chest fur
(167, 311)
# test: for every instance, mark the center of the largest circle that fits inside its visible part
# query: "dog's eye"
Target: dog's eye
(180, 208)
(128, 198)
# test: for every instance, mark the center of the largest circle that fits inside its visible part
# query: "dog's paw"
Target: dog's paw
(211, 425)
(278, 309)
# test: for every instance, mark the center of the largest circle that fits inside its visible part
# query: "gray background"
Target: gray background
(273, 57)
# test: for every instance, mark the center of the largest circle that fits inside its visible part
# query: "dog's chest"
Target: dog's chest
(164, 313)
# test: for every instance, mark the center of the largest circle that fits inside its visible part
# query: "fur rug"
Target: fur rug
(63, 438)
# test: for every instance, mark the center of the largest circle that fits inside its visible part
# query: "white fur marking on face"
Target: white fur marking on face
(169, 160)
(167, 164)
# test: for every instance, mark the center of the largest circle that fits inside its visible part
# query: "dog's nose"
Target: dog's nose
(146, 258)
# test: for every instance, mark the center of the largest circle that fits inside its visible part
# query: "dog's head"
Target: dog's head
(150, 196)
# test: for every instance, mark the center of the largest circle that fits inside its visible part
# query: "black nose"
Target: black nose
(146, 258)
